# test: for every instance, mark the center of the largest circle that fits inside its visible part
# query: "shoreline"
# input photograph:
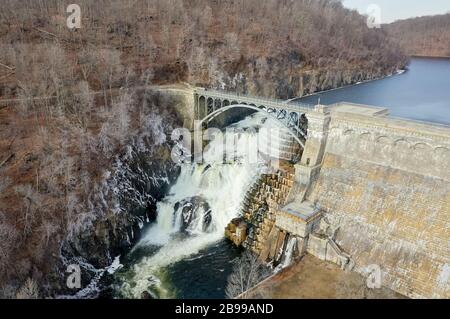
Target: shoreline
(398, 72)
(440, 57)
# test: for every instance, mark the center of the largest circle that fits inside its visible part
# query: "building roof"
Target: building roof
(305, 210)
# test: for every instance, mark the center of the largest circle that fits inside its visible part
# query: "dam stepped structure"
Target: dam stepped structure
(364, 189)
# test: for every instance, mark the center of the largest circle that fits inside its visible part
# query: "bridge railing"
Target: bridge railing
(257, 99)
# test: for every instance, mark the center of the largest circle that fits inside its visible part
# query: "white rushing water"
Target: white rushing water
(204, 199)
(288, 254)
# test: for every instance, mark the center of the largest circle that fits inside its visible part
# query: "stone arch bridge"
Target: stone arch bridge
(211, 103)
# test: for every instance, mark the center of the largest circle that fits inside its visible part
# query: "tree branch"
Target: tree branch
(8, 67)
(6, 160)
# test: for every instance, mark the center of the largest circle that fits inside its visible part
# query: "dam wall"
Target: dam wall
(369, 190)
(384, 183)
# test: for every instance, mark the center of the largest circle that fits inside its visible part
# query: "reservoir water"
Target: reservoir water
(184, 254)
(421, 93)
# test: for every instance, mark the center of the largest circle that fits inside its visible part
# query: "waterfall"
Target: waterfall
(290, 249)
(204, 199)
(288, 255)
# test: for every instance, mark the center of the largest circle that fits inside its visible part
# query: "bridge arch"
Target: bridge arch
(289, 129)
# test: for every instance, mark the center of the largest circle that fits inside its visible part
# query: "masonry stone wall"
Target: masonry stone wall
(386, 184)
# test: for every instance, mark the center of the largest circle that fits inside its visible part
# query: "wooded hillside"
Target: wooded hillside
(79, 108)
(424, 36)
(276, 48)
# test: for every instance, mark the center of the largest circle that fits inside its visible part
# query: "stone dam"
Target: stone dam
(384, 185)
(368, 189)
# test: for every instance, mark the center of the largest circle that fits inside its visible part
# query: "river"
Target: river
(184, 254)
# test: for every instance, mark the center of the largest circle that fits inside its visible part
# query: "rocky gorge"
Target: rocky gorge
(85, 163)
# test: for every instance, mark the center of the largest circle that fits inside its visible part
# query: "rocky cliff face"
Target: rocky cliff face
(284, 84)
(95, 207)
(124, 200)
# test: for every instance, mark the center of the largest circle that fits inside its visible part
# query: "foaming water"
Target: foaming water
(204, 199)
(288, 254)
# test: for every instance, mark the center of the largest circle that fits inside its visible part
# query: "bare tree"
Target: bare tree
(115, 130)
(247, 272)
(48, 229)
(32, 202)
(109, 69)
(29, 290)
(81, 106)
(86, 61)
(5, 182)
(232, 43)
(8, 291)
(9, 238)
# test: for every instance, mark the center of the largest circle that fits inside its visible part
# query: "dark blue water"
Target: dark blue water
(421, 93)
(204, 275)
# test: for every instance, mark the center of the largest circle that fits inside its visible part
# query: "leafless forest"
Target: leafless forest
(274, 44)
(247, 272)
(76, 105)
(426, 36)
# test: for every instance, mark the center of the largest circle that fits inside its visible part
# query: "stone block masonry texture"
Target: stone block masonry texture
(386, 184)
